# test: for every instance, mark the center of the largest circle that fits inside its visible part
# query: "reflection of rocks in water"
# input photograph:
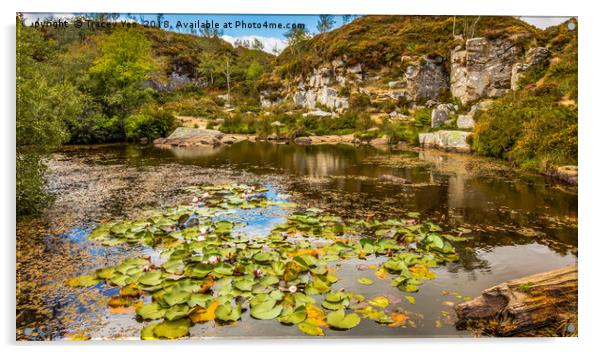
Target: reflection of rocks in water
(195, 152)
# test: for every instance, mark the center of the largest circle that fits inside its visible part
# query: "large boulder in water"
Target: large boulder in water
(449, 140)
(185, 137)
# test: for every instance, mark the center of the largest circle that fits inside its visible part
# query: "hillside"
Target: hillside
(436, 81)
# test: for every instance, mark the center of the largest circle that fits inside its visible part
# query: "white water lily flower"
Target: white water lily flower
(265, 248)
(292, 289)
(195, 200)
(213, 259)
(205, 195)
(200, 238)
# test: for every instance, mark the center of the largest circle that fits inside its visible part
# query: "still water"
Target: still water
(521, 224)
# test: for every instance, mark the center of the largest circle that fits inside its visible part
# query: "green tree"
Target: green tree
(325, 23)
(119, 73)
(43, 102)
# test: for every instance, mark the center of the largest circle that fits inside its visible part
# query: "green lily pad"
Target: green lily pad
(84, 280)
(151, 278)
(176, 297)
(148, 332)
(267, 310)
(177, 312)
(152, 311)
(228, 313)
(172, 329)
(338, 320)
(365, 281)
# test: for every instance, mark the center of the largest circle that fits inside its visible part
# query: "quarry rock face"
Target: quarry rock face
(427, 78)
(483, 68)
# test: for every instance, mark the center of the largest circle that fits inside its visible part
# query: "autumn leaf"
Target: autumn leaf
(201, 314)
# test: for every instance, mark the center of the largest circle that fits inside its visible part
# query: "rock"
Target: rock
(186, 137)
(355, 69)
(431, 104)
(568, 174)
(537, 56)
(534, 56)
(465, 121)
(449, 140)
(303, 140)
(379, 141)
(144, 140)
(229, 139)
(426, 78)
(517, 70)
(394, 179)
(483, 69)
(395, 84)
(440, 115)
(318, 113)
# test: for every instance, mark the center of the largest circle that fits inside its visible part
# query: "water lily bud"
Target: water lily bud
(146, 268)
(205, 195)
(195, 200)
(292, 289)
(258, 273)
(213, 259)
(265, 248)
(200, 238)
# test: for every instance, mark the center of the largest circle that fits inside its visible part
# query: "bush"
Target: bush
(422, 118)
(530, 128)
(150, 123)
(31, 195)
(399, 132)
(239, 123)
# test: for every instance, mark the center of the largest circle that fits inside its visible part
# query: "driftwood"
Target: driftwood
(524, 304)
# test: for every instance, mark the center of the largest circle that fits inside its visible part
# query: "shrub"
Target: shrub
(529, 128)
(31, 195)
(239, 123)
(422, 118)
(398, 132)
(150, 123)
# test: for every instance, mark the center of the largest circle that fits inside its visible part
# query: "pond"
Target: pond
(515, 225)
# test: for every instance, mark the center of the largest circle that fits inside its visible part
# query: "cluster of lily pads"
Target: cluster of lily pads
(211, 272)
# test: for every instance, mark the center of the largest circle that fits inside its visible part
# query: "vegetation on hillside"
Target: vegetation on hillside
(381, 41)
(536, 126)
(112, 84)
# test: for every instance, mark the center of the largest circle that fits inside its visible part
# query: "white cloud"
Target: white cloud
(544, 22)
(269, 43)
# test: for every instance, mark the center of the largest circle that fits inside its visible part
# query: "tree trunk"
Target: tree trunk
(523, 304)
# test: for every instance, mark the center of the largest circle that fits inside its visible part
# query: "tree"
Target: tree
(325, 23)
(43, 102)
(119, 73)
(296, 35)
(257, 44)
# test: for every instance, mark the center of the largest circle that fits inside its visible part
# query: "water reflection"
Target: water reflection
(521, 224)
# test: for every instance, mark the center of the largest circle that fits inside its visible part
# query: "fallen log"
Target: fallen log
(522, 305)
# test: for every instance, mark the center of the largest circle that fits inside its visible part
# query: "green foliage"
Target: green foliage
(530, 128)
(239, 123)
(378, 41)
(150, 123)
(422, 118)
(31, 195)
(399, 132)
(119, 73)
(536, 126)
(43, 102)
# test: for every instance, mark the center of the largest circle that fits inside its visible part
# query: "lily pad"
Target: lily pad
(365, 281)
(172, 329)
(338, 320)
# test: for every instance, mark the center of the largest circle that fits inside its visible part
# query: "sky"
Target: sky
(272, 38)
